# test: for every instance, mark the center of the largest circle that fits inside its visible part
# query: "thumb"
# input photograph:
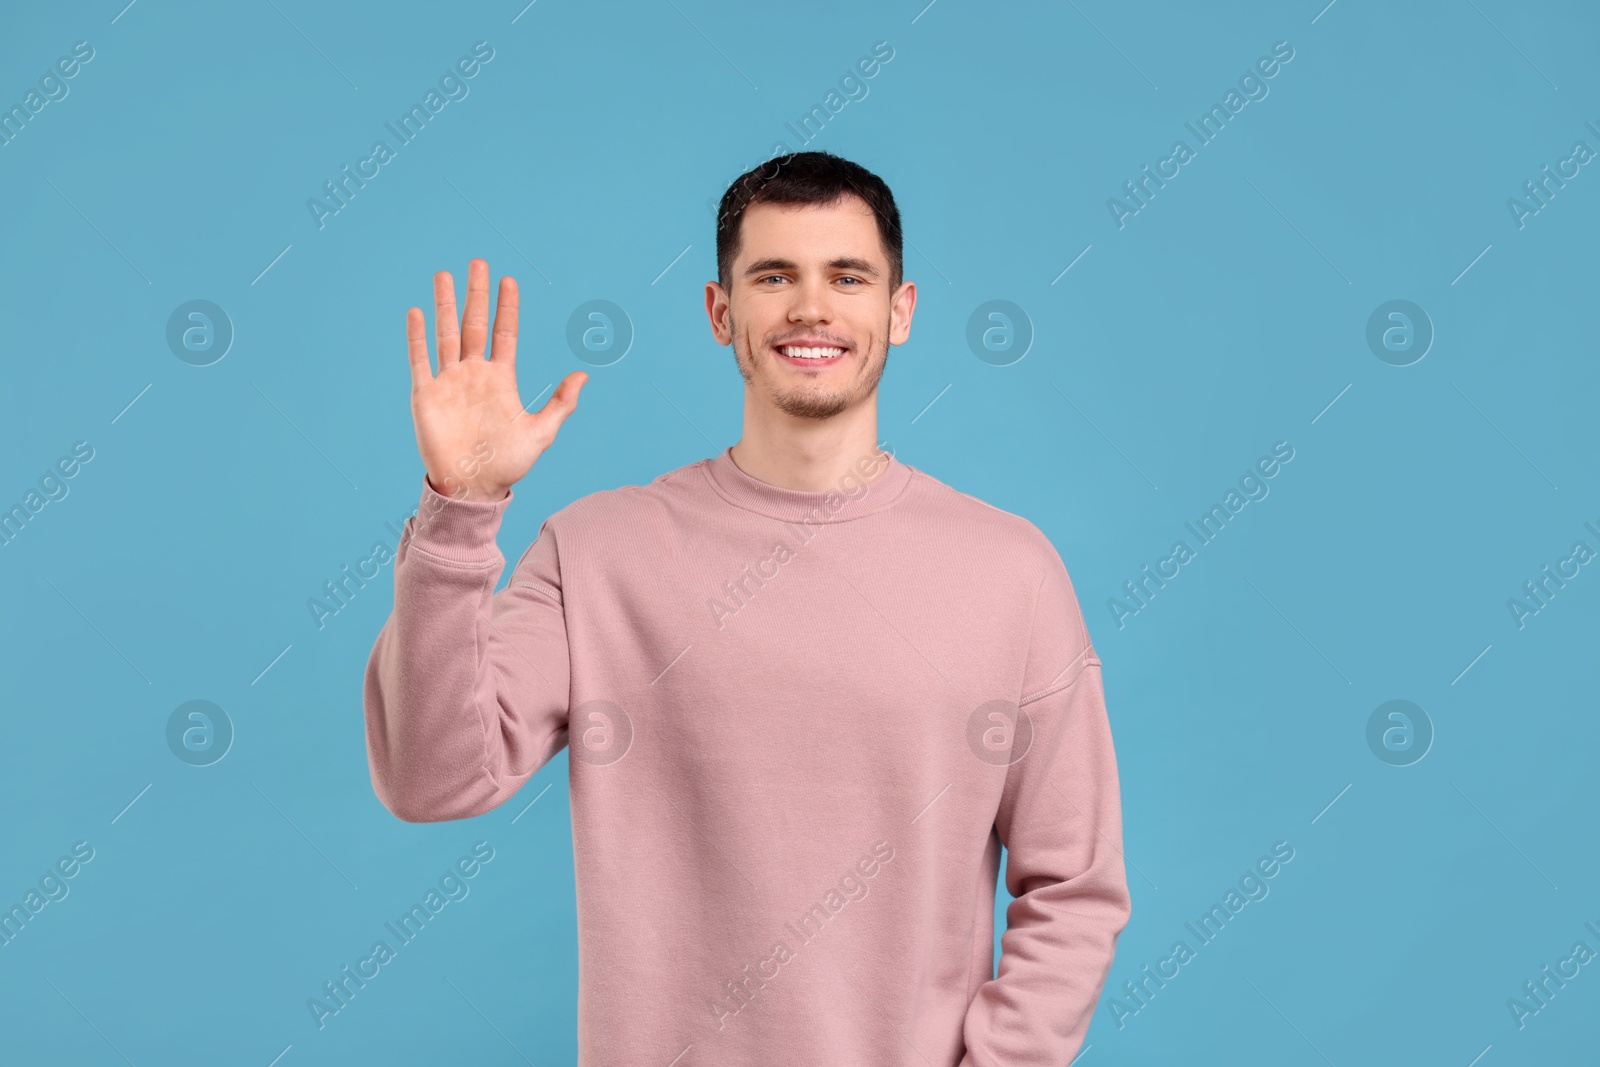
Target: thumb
(564, 400)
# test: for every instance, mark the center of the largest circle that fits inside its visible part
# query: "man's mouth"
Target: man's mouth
(811, 355)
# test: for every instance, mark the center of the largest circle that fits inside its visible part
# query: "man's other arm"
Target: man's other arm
(1060, 818)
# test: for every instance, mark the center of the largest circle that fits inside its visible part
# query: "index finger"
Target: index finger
(503, 346)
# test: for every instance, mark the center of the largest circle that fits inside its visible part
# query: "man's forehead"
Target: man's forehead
(848, 209)
(848, 220)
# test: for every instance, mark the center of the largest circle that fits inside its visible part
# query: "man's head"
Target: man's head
(809, 257)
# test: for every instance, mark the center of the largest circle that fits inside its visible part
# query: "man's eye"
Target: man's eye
(769, 277)
(850, 278)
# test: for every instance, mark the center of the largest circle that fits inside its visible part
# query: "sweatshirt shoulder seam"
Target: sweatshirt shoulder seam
(542, 594)
(1089, 661)
(1086, 657)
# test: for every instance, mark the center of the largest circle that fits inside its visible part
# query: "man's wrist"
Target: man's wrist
(462, 491)
(461, 528)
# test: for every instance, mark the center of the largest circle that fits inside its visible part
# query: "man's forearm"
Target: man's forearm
(1061, 822)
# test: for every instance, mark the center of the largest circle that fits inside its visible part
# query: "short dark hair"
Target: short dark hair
(807, 178)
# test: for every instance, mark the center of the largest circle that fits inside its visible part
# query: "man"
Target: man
(808, 691)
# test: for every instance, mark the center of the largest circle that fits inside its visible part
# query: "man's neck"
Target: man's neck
(808, 455)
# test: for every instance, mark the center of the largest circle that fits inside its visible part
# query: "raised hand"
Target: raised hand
(475, 438)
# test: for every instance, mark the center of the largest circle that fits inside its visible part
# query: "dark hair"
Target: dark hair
(807, 178)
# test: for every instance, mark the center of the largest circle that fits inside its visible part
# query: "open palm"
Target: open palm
(475, 438)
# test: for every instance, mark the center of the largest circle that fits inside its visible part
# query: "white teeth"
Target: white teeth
(810, 353)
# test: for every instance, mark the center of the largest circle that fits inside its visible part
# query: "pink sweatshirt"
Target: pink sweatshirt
(800, 727)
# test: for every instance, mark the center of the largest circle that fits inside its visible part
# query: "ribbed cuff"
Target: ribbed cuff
(460, 530)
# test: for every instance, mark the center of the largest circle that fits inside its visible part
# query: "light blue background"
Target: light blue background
(1225, 316)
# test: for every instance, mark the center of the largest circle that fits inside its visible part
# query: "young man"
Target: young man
(808, 691)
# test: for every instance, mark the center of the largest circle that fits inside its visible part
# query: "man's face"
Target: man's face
(807, 278)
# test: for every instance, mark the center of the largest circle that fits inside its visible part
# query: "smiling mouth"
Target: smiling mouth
(810, 355)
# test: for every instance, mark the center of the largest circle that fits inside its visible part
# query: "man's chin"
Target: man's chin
(810, 405)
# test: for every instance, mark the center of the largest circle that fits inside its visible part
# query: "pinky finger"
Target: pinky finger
(417, 347)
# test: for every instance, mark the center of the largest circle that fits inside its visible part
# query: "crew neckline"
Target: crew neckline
(796, 505)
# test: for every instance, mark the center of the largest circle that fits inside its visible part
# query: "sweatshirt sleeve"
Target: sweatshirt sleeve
(466, 690)
(1060, 819)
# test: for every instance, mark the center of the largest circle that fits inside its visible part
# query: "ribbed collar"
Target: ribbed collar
(887, 486)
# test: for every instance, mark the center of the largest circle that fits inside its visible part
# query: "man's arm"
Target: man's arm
(1060, 818)
(466, 690)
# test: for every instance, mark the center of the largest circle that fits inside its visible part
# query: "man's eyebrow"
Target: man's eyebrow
(772, 263)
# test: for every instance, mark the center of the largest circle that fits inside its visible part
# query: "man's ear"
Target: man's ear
(717, 313)
(901, 306)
